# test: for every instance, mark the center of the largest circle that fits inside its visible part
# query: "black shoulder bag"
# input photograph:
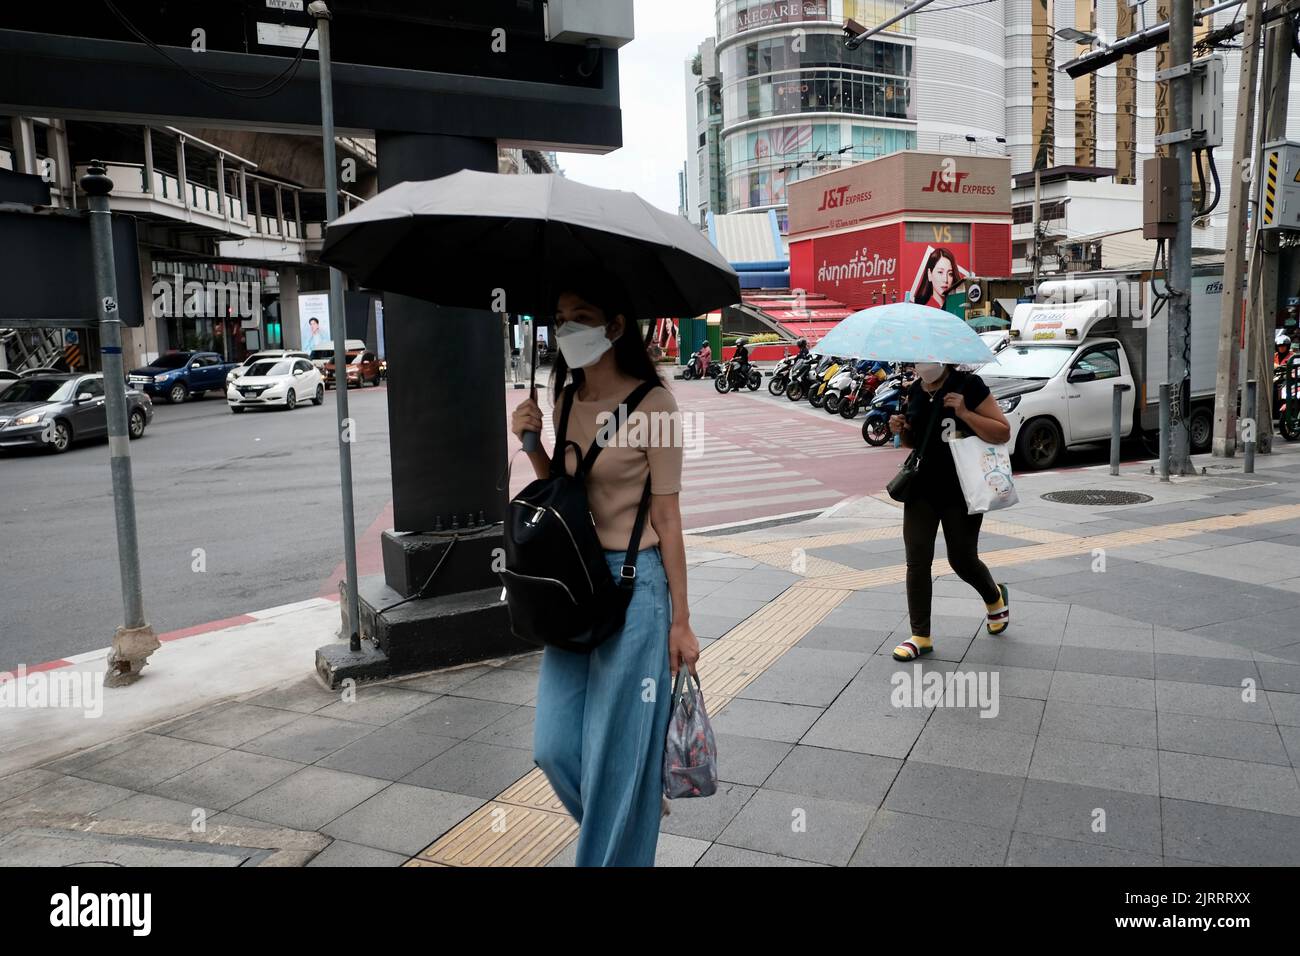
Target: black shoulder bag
(557, 582)
(901, 485)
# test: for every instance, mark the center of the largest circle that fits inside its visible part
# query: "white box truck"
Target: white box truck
(1083, 335)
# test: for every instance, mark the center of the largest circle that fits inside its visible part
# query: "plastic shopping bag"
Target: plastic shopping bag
(690, 754)
(984, 470)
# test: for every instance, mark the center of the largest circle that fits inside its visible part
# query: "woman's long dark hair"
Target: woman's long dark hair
(925, 290)
(629, 348)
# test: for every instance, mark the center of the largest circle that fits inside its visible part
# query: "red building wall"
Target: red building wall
(859, 268)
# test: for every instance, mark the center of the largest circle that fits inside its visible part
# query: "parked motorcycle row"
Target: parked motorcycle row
(844, 387)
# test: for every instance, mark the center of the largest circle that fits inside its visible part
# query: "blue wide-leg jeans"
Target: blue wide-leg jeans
(601, 723)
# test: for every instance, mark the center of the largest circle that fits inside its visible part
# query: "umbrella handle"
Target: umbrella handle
(532, 441)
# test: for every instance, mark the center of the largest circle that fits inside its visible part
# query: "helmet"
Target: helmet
(740, 342)
(802, 343)
(1283, 339)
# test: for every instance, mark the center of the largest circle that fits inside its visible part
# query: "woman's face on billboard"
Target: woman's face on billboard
(941, 276)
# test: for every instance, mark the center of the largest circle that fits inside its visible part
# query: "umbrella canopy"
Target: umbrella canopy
(459, 239)
(906, 332)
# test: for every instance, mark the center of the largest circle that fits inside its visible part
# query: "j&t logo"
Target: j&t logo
(944, 182)
(835, 198)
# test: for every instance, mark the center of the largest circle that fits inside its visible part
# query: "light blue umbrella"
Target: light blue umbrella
(906, 332)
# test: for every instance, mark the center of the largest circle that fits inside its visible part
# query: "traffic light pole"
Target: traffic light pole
(1180, 256)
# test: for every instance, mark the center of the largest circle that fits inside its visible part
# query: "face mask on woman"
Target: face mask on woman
(582, 345)
(930, 372)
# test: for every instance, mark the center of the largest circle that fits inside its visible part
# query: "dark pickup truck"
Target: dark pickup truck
(178, 375)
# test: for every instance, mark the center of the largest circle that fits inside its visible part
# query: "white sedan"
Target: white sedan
(280, 382)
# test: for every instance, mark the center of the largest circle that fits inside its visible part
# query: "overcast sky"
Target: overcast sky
(653, 98)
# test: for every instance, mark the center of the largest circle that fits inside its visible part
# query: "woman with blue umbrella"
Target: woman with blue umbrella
(944, 404)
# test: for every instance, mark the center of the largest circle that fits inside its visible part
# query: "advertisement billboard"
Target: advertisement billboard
(314, 320)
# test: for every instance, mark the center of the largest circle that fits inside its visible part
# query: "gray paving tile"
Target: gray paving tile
(25, 780)
(971, 747)
(950, 793)
(748, 760)
(67, 795)
(443, 681)
(1205, 700)
(1280, 677)
(1228, 836)
(1095, 660)
(712, 625)
(1291, 738)
(376, 705)
(853, 724)
(527, 661)
(515, 729)
(474, 769)
(390, 753)
(1285, 707)
(705, 819)
(852, 617)
(904, 839)
(303, 696)
(1092, 764)
(1101, 724)
(1011, 652)
(147, 808)
(676, 851)
(502, 684)
(307, 739)
(1104, 689)
(231, 725)
(1127, 637)
(734, 856)
(84, 758)
(402, 819)
(1028, 682)
(1191, 669)
(1028, 849)
(152, 760)
(451, 716)
(1216, 737)
(1232, 783)
(825, 637)
(770, 721)
(835, 775)
(1091, 815)
(804, 676)
(342, 853)
(227, 779)
(798, 825)
(309, 799)
(753, 590)
(1020, 715)
(723, 606)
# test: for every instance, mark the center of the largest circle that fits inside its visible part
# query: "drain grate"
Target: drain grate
(1096, 496)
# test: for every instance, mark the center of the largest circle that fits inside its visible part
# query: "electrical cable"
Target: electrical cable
(272, 86)
(1218, 187)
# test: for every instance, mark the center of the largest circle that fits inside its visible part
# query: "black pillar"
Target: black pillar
(438, 602)
(446, 401)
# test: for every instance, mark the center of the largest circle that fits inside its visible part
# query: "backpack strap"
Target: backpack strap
(614, 423)
(627, 575)
(561, 431)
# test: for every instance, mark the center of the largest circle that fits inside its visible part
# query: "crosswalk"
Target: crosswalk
(751, 456)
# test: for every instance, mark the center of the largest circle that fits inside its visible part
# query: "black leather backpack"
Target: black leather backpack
(557, 583)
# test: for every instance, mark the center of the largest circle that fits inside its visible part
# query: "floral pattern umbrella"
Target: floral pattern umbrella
(906, 332)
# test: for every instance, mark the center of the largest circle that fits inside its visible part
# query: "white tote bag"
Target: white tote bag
(984, 470)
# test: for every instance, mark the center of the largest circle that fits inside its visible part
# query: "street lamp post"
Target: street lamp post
(135, 640)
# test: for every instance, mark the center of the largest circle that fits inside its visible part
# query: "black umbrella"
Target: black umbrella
(462, 239)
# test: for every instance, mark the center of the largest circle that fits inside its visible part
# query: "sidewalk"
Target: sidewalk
(1146, 700)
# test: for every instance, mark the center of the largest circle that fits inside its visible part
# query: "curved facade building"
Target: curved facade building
(778, 98)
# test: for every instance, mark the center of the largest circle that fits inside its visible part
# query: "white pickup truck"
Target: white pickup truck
(1054, 380)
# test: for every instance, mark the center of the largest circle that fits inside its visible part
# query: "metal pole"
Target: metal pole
(1164, 432)
(1116, 414)
(1226, 381)
(1180, 258)
(134, 641)
(338, 324)
(1253, 432)
(1038, 257)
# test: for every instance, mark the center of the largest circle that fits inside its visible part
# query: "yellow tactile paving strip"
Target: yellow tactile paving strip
(527, 826)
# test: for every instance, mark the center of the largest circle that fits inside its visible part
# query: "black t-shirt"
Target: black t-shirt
(937, 478)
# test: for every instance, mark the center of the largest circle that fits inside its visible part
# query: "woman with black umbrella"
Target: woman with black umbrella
(602, 717)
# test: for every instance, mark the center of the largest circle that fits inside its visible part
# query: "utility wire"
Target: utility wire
(272, 86)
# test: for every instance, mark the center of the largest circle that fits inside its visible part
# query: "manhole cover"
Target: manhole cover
(1221, 467)
(1096, 496)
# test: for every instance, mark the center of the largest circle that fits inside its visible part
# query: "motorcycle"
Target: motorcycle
(1286, 399)
(781, 374)
(817, 394)
(844, 380)
(732, 378)
(693, 368)
(801, 377)
(888, 401)
(860, 392)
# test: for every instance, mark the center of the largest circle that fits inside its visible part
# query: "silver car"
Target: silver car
(54, 409)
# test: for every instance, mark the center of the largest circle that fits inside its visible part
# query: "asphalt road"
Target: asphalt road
(257, 492)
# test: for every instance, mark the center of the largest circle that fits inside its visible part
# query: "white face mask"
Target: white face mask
(582, 345)
(930, 372)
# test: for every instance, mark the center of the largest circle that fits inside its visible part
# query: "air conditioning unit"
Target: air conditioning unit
(607, 22)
